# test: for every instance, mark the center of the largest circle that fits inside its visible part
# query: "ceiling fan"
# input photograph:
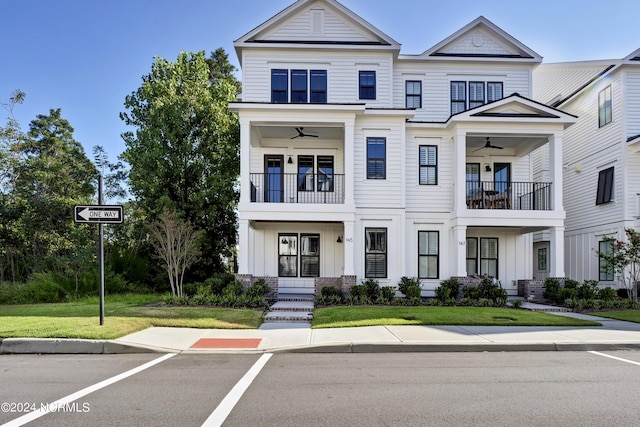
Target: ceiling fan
(301, 134)
(488, 145)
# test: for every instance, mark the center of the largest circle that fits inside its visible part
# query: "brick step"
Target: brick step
(287, 316)
(292, 306)
(296, 297)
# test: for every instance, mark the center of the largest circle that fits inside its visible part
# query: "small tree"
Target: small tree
(177, 244)
(623, 259)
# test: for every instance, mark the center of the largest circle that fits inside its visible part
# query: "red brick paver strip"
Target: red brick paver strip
(227, 343)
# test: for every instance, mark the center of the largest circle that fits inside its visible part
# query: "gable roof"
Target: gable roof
(515, 107)
(484, 40)
(317, 23)
(632, 57)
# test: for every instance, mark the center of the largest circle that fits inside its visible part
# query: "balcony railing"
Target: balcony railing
(509, 195)
(297, 188)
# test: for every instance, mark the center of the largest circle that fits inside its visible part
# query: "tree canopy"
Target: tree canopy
(184, 151)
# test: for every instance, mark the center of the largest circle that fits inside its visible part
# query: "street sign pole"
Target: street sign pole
(101, 254)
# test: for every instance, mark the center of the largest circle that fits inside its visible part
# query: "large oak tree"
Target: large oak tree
(184, 151)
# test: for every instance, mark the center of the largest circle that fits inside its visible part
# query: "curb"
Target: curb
(66, 346)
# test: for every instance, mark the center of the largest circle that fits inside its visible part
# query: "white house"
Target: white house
(359, 162)
(601, 155)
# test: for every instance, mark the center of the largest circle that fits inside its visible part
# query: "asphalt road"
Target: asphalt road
(383, 389)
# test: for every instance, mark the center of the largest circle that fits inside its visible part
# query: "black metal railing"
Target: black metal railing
(297, 188)
(509, 195)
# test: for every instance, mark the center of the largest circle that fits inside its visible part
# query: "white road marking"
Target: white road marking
(77, 395)
(220, 414)
(615, 358)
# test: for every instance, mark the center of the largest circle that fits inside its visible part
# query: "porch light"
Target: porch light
(285, 241)
(487, 167)
(290, 161)
(339, 239)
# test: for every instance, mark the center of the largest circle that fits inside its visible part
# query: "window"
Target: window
(489, 257)
(325, 173)
(428, 254)
(542, 259)
(458, 97)
(305, 173)
(367, 84)
(309, 255)
(476, 94)
(298, 86)
(376, 158)
(318, 86)
(279, 86)
(287, 255)
(413, 90)
(472, 256)
(494, 91)
(605, 247)
(604, 106)
(375, 257)
(605, 186)
(428, 165)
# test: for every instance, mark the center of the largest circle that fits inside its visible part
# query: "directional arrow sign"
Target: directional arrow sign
(98, 214)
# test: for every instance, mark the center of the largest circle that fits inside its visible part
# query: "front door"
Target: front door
(273, 178)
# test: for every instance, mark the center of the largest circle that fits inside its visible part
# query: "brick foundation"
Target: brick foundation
(249, 279)
(324, 282)
(533, 290)
(347, 283)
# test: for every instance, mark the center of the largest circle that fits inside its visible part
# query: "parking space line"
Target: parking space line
(85, 391)
(614, 357)
(225, 407)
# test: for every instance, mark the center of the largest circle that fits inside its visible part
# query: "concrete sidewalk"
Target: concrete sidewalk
(295, 337)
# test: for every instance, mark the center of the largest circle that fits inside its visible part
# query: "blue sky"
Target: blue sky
(85, 56)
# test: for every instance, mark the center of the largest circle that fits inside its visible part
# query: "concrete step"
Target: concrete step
(288, 316)
(292, 306)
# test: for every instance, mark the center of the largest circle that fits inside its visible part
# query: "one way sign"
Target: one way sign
(97, 214)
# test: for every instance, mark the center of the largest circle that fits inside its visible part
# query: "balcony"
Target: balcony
(297, 188)
(509, 195)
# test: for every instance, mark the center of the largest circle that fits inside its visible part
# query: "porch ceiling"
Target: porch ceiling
(288, 131)
(511, 144)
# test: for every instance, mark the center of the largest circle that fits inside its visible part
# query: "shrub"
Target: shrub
(388, 293)
(447, 290)
(373, 288)
(622, 293)
(571, 284)
(258, 290)
(517, 303)
(607, 294)
(587, 290)
(329, 291)
(551, 289)
(358, 292)
(566, 293)
(413, 292)
(486, 290)
(233, 288)
(405, 282)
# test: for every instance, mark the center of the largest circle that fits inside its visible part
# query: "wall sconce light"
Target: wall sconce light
(290, 161)
(487, 167)
(285, 241)
(339, 239)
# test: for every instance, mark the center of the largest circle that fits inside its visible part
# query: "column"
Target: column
(349, 162)
(459, 170)
(348, 248)
(555, 159)
(243, 247)
(459, 251)
(556, 243)
(245, 161)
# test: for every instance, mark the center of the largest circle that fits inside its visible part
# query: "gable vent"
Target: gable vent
(317, 22)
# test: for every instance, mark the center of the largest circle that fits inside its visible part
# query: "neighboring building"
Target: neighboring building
(360, 162)
(601, 155)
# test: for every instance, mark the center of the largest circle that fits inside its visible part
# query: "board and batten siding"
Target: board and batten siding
(388, 192)
(436, 87)
(317, 24)
(588, 149)
(342, 73)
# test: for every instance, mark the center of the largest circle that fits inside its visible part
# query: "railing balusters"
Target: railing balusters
(297, 188)
(508, 195)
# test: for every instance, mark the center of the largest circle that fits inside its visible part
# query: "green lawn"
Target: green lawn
(628, 315)
(124, 314)
(340, 317)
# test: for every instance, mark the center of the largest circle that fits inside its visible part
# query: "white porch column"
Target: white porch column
(349, 163)
(555, 158)
(243, 247)
(556, 242)
(245, 161)
(459, 170)
(459, 250)
(348, 248)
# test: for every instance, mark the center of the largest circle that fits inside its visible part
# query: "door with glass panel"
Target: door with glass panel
(274, 178)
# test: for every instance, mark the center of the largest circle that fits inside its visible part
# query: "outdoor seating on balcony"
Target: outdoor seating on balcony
(297, 188)
(508, 195)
